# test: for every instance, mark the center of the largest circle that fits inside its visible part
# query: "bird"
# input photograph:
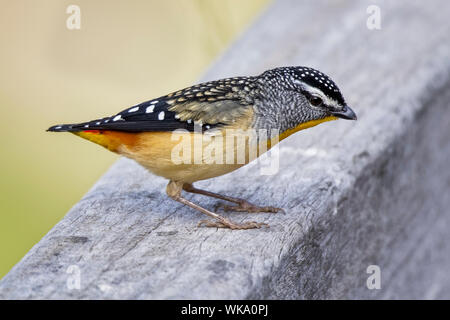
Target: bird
(161, 134)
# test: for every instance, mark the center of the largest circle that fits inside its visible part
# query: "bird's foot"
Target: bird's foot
(232, 225)
(245, 206)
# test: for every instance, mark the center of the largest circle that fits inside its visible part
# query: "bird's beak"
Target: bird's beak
(346, 113)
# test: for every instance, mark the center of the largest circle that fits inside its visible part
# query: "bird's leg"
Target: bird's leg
(174, 191)
(242, 204)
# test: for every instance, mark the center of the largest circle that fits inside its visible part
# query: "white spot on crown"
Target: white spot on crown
(161, 115)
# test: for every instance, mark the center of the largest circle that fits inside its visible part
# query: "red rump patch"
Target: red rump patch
(92, 131)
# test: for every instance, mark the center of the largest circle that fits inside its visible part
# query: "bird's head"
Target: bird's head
(302, 97)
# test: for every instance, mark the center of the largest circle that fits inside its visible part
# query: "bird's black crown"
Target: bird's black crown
(311, 77)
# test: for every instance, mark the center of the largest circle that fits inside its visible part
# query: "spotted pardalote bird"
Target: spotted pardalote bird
(282, 100)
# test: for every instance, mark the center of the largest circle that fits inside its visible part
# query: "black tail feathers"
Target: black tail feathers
(64, 128)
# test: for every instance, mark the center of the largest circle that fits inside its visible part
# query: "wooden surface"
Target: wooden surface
(371, 192)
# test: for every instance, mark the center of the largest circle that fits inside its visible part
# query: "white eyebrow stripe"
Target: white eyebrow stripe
(313, 90)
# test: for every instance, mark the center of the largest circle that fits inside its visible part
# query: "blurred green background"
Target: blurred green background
(126, 52)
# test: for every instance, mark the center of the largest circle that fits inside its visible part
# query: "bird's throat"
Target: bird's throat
(302, 126)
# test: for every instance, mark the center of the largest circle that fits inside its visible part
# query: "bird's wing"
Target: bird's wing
(211, 104)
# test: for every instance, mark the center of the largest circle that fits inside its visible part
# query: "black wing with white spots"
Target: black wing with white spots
(210, 104)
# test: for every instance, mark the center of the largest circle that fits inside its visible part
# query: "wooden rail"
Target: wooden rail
(369, 193)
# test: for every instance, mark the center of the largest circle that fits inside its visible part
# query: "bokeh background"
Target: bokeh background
(126, 52)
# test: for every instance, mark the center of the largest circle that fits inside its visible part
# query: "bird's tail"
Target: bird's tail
(77, 127)
(65, 128)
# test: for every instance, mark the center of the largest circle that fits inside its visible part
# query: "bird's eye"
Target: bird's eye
(315, 101)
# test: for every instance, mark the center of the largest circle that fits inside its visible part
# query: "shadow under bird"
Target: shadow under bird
(282, 100)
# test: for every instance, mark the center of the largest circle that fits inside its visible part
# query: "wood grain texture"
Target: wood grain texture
(371, 192)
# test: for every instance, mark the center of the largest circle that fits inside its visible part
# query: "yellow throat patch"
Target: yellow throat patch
(302, 126)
